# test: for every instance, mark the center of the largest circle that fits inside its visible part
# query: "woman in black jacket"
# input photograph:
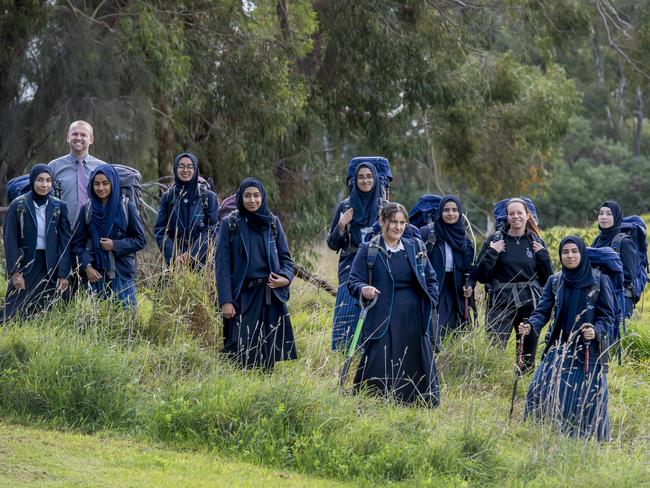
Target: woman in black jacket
(515, 265)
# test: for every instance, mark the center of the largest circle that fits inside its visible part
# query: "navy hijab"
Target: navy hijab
(365, 204)
(186, 191)
(606, 236)
(577, 285)
(452, 234)
(104, 217)
(262, 218)
(36, 170)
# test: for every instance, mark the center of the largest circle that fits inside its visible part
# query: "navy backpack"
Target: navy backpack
(425, 210)
(501, 215)
(634, 228)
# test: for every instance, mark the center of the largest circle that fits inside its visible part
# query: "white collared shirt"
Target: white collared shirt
(398, 247)
(40, 225)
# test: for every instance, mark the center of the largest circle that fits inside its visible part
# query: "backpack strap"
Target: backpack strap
(203, 195)
(124, 200)
(373, 251)
(274, 228)
(21, 207)
(233, 223)
(88, 212)
(56, 211)
(556, 278)
(616, 242)
(431, 238)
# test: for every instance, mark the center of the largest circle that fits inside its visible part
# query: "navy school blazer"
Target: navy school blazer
(126, 243)
(378, 317)
(232, 260)
(462, 264)
(169, 224)
(20, 252)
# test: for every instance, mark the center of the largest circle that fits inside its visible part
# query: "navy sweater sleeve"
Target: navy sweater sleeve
(337, 240)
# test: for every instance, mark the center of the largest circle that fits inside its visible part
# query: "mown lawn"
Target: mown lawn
(31, 457)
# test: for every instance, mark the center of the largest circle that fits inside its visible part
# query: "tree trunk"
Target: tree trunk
(638, 114)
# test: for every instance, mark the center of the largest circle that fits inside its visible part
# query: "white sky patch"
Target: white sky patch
(248, 6)
(26, 90)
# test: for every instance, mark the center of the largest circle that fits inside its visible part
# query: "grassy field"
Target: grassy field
(32, 457)
(155, 380)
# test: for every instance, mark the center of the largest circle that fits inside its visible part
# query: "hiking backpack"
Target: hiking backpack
(604, 260)
(382, 166)
(20, 185)
(130, 191)
(425, 210)
(633, 227)
(227, 206)
(500, 213)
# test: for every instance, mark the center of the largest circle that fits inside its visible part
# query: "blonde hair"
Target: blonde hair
(531, 225)
(80, 122)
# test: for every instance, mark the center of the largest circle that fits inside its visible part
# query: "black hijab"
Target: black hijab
(606, 236)
(36, 170)
(365, 204)
(577, 285)
(452, 234)
(262, 218)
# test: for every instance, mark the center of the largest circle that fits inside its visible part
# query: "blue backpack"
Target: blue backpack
(17, 186)
(634, 228)
(425, 210)
(501, 215)
(604, 260)
(383, 171)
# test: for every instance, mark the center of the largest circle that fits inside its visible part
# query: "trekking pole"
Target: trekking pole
(586, 358)
(518, 373)
(355, 339)
(465, 285)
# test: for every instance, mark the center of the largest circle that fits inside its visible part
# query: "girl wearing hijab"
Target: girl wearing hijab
(610, 218)
(254, 270)
(515, 265)
(36, 243)
(452, 256)
(187, 215)
(396, 339)
(570, 386)
(353, 220)
(107, 237)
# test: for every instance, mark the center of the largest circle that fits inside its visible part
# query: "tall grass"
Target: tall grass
(157, 373)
